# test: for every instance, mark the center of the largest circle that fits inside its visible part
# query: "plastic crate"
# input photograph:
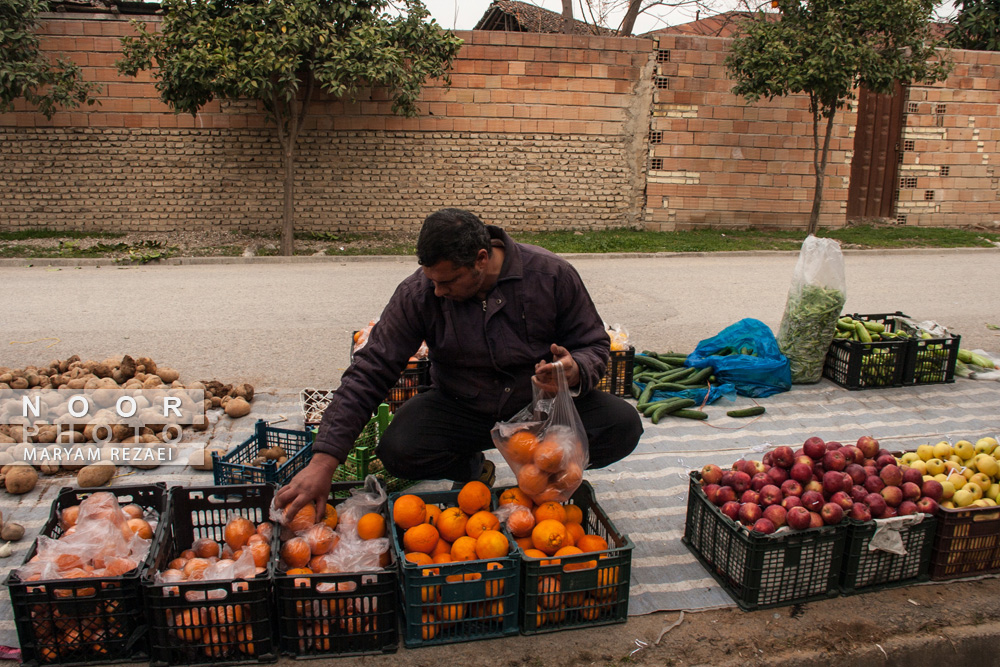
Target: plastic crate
(967, 542)
(236, 466)
(335, 615)
(928, 360)
(866, 570)
(856, 365)
(210, 622)
(591, 592)
(761, 571)
(96, 620)
(416, 374)
(618, 378)
(460, 601)
(361, 461)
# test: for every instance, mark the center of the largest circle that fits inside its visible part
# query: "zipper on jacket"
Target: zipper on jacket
(484, 305)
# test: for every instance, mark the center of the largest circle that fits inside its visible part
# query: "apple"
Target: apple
(767, 459)
(790, 487)
(912, 475)
(711, 474)
(885, 460)
(801, 473)
(759, 481)
(745, 466)
(932, 489)
(843, 499)
(832, 445)
(893, 496)
(874, 484)
(750, 496)
(725, 495)
(788, 502)
(741, 481)
(889, 513)
(814, 485)
(834, 460)
(911, 491)
(783, 457)
(805, 460)
(965, 449)
(927, 505)
(857, 473)
(832, 482)
(852, 454)
(776, 514)
(986, 464)
(884, 452)
(877, 504)
(812, 500)
(858, 493)
(846, 482)
(777, 475)
(770, 495)
(906, 508)
(814, 447)
(868, 445)
(765, 526)
(711, 492)
(731, 509)
(860, 512)
(798, 518)
(832, 514)
(816, 520)
(891, 475)
(749, 513)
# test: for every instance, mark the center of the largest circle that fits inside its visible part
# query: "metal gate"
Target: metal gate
(877, 146)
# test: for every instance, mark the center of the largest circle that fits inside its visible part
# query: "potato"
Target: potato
(49, 467)
(20, 478)
(237, 407)
(12, 532)
(148, 365)
(168, 375)
(202, 459)
(95, 474)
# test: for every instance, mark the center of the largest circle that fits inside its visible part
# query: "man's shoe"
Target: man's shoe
(487, 476)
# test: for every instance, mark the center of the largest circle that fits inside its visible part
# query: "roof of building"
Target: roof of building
(513, 16)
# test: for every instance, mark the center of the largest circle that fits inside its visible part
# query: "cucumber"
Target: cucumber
(652, 362)
(862, 333)
(876, 327)
(691, 414)
(699, 377)
(747, 412)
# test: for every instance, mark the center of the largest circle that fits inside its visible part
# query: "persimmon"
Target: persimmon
(515, 496)
(296, 552)
(237, 531)
(266, 530)
(532, 480)
(330, 516)
(204, 547)
(481, 521)
(303, 519)
(422, 537)
(492, 544)
(132, 511)
(451, 524)
(473, 497)
(433, 512)
(520, 522)
(548, 536)
(521, 446)
(589, 543)
(550, 510)
(464, 548)
(69, 516)
(573, 514)
(371, 526)
(320, 538)
(549, 456)
(409, 511)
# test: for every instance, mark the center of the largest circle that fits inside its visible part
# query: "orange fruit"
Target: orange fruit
(296, 552)
(515, 496)
(451, 612)
(265, 529)
(442, 547)
(187, 622)
(569, 478)
(589, 543)
(188, 554)
(120, 566)
(330, 516)
(493, 587)
(442, 558)
(481, 521)
(141, 528)
(409, 511)
(548, 536)
(464, 548)
(261, 552)
(573, 514)
(371, 526)
(303, 519)
(194, 567)
(473, 497)
(548, 592)
(549, 456)
(419, 558)
(422, 537)
(433, 512)
(520, 522)
(428, 629)
(206, 548)
(532, 480)
(451, 524)
(590, 610)
(574, 531)
(550, 510)
(321, 539)
(132, 511)
(525, 543)
(237, 532)
(492, 544)
(521, 447)
(572, 551)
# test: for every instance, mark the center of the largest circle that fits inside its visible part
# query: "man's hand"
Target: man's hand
(545, 375)
(310, 485)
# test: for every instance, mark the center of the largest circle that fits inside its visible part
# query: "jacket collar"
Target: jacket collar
(513, 264)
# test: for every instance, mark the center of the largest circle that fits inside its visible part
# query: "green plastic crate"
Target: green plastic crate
(362, 461)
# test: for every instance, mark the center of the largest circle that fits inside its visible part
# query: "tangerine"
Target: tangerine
(473, 497)
(303, 519)
(261, 552)
(574, 531)
(433, 512)
(550, 510)
(237, 531)
(532, 480)
(419, 558)
(520, 522)
(321, 539)
(520, 447)
(525, 543)
(549, 456)
(464, 548)
(548, 536)
(330, 516)
(515, 496)
(132, 511)
(69, 516)
(195, 567)
(408, 511)
(548, 592)
(570, 478)
(573, 514)
(589, 543)
(481, 521)
(266, 530)
(451, 524)
(371, 526)
(572, 551)
(422, 537)
(141, 528)
(492, 544)
(296, 552)
(442, 547)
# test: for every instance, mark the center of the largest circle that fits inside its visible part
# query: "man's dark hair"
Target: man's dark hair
(454, 235)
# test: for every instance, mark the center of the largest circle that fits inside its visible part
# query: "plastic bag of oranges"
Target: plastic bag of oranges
(619, 337)
(545, 444)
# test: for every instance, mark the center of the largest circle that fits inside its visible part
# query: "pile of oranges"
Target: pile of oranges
(547, 469)
(548, 533)
(468, 531)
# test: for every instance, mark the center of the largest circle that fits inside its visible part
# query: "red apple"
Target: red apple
(731, 509)
(861, 512)
(852, 454)
(927, 505)
(749, 513)
(801, 473)
(932, 489)
(750, 496)
(765, 526)
(745, 466)
(911, 491)
(816, 520)
(788, 502)
(770, 495)
(843, 499)
(812, 500)
(767, 459)
(893, 496)
(832, 445)
(889, 513)
(874, 484)
(805, 460)
(783, 457)
(857, 473)
(814, 447)
(798, 518)
(711, 474)
(834, 460)
(832, 514)
(790, 487)
(776, 514)
(712, 492)
(891, 475)
(814, 485)
(832, 482)
(883, 452)
(912, 475)
(777, 475)
(726, 494)
(727, 478)
(741, 482)
(858, 493)
(868, 445)
(759, 481)
(906, 508)
(877, 504)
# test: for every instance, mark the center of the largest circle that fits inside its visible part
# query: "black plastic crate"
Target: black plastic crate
(967, 543)
(461, 601)
(866, 570)
(210, 622)
(94, 620)
(761, 571)
(931, 360)
(335, 615)
(416, 374)
(856, 365)
(618, 378)
(236, 467)
(593, 587)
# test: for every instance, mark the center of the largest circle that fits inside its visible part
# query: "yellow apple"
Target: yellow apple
(951, 465)
(941, 477)
(981, 480)
(986, 464)
(935, 466)
(947, 490)
(967, 472)
(957, 480)
(974, 489)
(925, 452)
(982, 502)
(984, 446)
(942, 450)
(909, 457)
(920, 465)
(989, 502)
(948, 505)
(965, 449)
(957, 460)
(993, 491)
(964, 497)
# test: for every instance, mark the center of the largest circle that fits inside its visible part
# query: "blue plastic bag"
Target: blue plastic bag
(745, 354)
(697, 394)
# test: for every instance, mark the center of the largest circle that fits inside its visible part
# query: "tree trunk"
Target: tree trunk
(288, 213)
(628, 23)
(820, 158)
(567, 14)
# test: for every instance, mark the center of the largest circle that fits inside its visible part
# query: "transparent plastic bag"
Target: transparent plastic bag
(545, 444)
(815, 301)
(619, 337)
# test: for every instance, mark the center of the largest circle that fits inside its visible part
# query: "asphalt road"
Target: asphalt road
(288, 324)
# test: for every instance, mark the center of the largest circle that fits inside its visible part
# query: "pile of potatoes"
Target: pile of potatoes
(123, 372)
